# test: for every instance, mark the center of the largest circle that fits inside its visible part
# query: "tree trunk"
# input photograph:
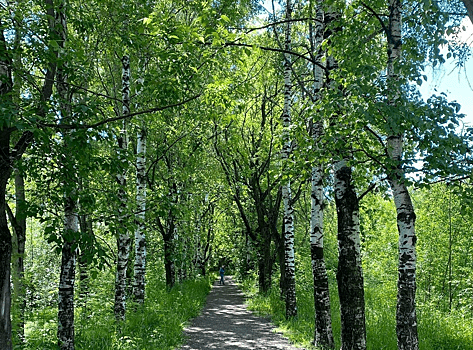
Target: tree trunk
(169, 266)
(290, 273)
(18, 223)
(5, 244)
(323, 335)
(86, 229)
(349, 273)
(65, 331)
(123, 239)
(140, 234)
(5, 172)
(265, 264)
(406, 318)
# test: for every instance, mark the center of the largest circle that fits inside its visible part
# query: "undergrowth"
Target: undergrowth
(158, 324)
(437, 330)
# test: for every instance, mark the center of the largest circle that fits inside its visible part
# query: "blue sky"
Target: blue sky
(457, 83)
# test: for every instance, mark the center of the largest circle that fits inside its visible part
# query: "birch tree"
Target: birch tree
(406, 318)
(123, 236)
(140, 236)
(323, 336)
(65, 331)
(289, 259)
(18, 224)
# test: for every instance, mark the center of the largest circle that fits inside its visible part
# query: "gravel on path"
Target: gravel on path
(226, 324)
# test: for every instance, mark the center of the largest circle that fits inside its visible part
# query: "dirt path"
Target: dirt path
(226, 324)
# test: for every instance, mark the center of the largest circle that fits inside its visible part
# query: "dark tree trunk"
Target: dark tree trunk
(265, 264)
(349, 273)
(169, 261)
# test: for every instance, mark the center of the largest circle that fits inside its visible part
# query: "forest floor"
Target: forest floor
(225, 323)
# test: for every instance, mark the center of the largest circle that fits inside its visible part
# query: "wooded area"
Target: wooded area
(146, 143)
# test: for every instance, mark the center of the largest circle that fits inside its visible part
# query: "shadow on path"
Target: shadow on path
(226, 324)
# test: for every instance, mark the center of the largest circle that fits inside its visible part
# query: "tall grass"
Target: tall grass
(437, 330)
(157, 324)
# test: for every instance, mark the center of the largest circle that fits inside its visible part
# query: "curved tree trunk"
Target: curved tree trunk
(349, 273)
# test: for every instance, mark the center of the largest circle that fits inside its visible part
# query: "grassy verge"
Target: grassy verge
(437, 330)
(157, 324)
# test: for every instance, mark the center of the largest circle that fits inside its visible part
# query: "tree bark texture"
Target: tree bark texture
(86, 229)
(323, 335)
(406, 318)
(290, 273)
(18, 223)
(65, 331)
(349, 273)
(123, 239)
(169, 265)
(140, 232)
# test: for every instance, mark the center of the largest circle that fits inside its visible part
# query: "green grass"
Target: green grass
(157, 324)
(437, 330)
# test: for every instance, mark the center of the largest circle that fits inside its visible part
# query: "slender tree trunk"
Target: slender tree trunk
(86, 228)
(67, 278)
(123, 239)
(18, 223)
(65, 332)
(349, 273)
(5, 244)
(265, 265)
(140, 234)
(5, 172)
(169, 266)
(406, 318)
(323, 335)
(290, 273)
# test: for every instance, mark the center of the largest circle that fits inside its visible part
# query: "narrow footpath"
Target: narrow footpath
(226, 324)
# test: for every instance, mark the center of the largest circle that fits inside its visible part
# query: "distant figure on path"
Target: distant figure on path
(222, 273)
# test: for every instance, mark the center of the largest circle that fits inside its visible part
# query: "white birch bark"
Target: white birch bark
(140, 233)
(323, 335)
(67, 278)
(65, 332)
(290, 275)
(406, 319)
(123, 239)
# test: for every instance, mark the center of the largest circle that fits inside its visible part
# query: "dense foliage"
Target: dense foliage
(150, 142)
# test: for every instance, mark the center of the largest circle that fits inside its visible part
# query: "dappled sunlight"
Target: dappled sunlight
(225, 323)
